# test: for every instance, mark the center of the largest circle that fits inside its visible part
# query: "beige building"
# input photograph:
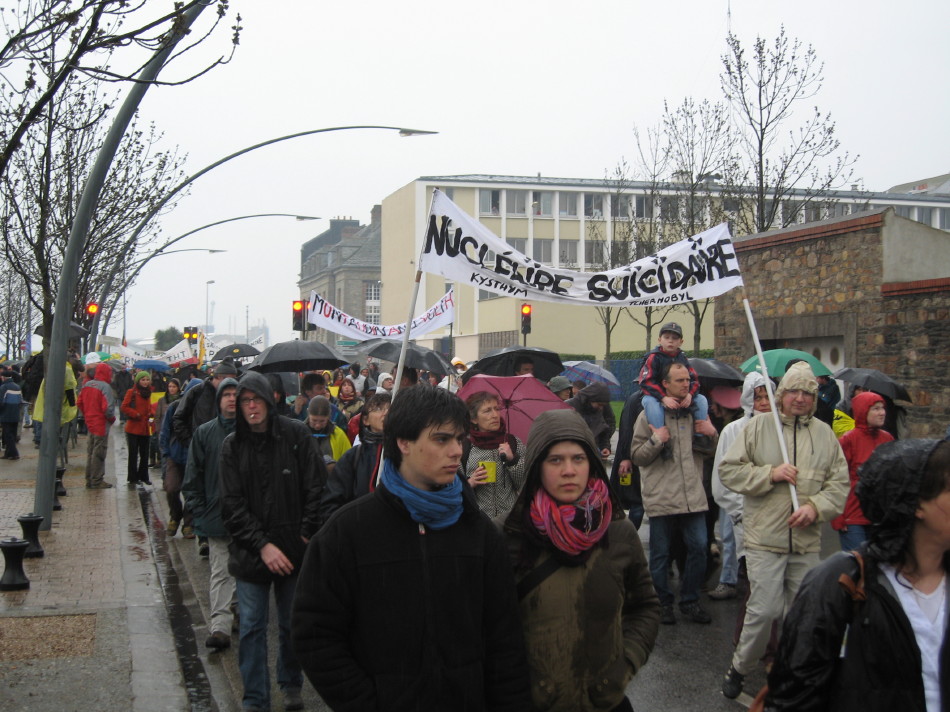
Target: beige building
(579, 224)
(565, 223)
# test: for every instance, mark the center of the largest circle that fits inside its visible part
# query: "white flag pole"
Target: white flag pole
(768, 388)
(412, 308)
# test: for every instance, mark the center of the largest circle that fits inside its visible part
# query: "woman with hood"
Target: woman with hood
(281, 406)
(869, 412)
(754, 399)
(137, 408)
(593, 404)
(492, 459)
(867, 629)
(159, 408)
(589, 611)
(330, 442)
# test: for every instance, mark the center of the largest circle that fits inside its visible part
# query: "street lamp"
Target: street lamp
(208, 306)
(107, 290)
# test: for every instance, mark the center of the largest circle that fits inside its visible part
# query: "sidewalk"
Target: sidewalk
(116, 614)
(92, 630)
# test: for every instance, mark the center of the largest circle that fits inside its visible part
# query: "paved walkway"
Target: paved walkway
(92, 630)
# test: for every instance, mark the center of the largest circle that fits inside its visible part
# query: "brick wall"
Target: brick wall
(816, 282)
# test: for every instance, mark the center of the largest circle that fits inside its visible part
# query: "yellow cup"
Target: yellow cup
(491, 470)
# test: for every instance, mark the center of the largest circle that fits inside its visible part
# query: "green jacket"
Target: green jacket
(588, 627)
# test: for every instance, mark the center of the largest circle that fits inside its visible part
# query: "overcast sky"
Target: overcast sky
(513, 88)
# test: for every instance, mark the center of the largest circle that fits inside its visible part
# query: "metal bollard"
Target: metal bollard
(60, 487)
(57, 505)
(30, 524)
(14, 578)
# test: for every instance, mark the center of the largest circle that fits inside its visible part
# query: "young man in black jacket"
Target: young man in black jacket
(270, 492)
(406, 600)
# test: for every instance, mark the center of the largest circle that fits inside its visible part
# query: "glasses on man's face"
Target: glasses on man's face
(249, 401)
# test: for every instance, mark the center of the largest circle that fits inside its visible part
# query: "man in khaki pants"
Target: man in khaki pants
(781, 544)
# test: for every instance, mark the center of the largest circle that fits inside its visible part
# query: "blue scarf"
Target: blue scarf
(437, 510)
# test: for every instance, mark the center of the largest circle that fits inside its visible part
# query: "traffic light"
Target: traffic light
(300, 314)
(191, 333)
(525, 318)
(92, 308)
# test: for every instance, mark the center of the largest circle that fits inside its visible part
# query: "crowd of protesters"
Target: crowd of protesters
(420, 556)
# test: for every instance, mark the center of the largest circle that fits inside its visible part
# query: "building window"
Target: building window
(372, 292)
(567, 204)
(543, 251)
(925, 215)
(902, 210)
(594, 254)
(517, 203)
(518, 243)
(489, 202)
(945, 218)
(669, 209)
(593, 205)
(567, 252)
(644, 206)
(542, 204)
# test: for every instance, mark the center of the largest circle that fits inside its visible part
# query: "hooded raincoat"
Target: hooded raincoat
(591, 625)
(270, 487)
(822, 473)
(857, 445)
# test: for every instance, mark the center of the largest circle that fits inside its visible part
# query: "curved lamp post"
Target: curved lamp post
(133, 238)
(107, 290)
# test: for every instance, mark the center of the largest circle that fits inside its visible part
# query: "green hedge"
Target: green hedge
(576, 357)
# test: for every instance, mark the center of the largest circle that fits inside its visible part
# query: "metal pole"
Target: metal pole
(56, 358)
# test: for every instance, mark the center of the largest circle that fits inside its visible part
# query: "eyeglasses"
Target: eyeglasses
(248, 401)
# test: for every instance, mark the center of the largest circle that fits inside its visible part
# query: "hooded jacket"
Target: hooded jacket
(270, 487)
(198, 406)
(840, 654)
(857, 445)
(726, 498)
(97, 401)
(589, 627)
(201, 488)
(137, 408)
(595, 419)
(822, 473)
(673, 486)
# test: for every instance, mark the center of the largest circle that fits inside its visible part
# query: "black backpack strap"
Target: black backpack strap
(536, 576)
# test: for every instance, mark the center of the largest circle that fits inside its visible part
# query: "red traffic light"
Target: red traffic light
(298, 305)
(92, 308)
(525, 310)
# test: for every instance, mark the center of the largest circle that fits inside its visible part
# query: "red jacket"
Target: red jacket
(138, 409)
(96, 401)
(858, 444)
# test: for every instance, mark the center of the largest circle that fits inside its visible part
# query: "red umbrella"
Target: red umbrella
(521, 399)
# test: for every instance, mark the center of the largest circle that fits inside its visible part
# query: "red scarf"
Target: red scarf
(573, 528)
(488, 439)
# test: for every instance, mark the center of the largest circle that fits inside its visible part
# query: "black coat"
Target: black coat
(198, 406)
(350, 478)
(389, 615)
(881, 667)
(270, 492)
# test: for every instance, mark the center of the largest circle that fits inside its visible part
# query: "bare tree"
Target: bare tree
(778, 170)
(647, 235)
(50, 42)
(42, 188)
(700, 144)
(15, 313)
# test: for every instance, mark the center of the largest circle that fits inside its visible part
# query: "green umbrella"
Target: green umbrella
(776, 360)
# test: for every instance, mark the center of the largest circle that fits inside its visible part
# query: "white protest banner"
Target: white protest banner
(258, 343)
(129, 356)
(178, 352)
(326, 316)
(462, 249)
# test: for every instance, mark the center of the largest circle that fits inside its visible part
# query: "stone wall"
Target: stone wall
(825, 280)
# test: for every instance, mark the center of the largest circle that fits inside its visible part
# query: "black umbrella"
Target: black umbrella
(713, 369)
(416, 356)
(296, 356)
(874, 380)
(235, 351)
(501, 362)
